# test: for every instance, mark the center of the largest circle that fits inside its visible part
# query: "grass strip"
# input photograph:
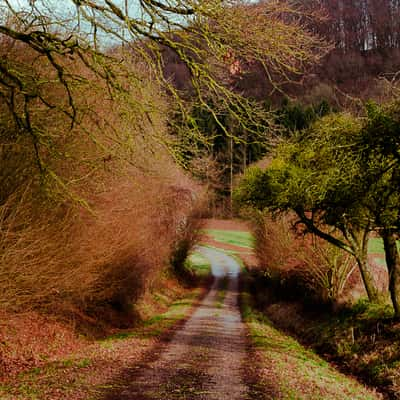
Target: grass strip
(296, 372)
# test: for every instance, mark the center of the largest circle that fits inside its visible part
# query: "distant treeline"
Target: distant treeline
(366, 39)
(362, 24)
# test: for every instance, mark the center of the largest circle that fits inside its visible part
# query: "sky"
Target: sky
(63, 6)
(65, 11)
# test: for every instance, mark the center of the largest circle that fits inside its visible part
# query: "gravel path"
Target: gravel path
(204, 359)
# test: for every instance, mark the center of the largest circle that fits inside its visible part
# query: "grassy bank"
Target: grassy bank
(287, 370)
(363, 341)
(198, 265)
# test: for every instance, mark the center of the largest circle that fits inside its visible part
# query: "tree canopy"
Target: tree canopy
(340, 177)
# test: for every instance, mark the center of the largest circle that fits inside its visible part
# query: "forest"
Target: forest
(137, 135)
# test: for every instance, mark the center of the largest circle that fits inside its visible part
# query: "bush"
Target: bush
(90, 212)
(300, 266)
(188, 234)
(70, 254)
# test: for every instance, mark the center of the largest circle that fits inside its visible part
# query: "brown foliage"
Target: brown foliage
(90, 213)
(29, 339)
(301, 262)
(109, 254)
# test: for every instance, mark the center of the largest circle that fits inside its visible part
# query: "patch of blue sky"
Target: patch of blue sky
(110, 30)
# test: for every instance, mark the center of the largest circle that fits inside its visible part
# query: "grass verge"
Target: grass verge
(287, 370)
(198, 265)
(364, 340)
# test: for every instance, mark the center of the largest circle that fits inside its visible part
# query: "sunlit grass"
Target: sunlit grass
(297, 372)
(236, 238)
(198, 264)
(375, 246)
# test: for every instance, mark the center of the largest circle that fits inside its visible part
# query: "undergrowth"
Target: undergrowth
(364, 339)
(95, 367)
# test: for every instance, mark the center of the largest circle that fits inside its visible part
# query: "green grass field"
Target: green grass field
(245, 239)
(375, 246)
(236, 238)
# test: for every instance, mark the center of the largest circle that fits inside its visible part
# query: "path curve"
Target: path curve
(204, 359)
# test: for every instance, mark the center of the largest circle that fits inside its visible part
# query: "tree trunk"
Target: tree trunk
(357, 246)
(359, 242)
(367, 276)
(393, 266)
(231, 175)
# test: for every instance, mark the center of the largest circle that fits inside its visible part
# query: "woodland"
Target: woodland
(123, 124)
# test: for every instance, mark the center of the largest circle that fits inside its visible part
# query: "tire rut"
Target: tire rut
(204, 359)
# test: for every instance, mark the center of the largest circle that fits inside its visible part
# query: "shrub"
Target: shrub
(90, 213)
(302, 266)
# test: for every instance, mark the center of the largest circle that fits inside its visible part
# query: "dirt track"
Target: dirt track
(204, 359)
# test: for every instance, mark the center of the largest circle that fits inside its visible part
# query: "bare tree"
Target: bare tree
(51, 53)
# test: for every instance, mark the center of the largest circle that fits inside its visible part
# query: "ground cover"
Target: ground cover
(288, 370)
(363, 341)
